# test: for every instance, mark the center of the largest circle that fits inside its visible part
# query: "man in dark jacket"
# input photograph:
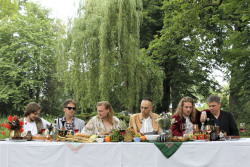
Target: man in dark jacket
(221, 118)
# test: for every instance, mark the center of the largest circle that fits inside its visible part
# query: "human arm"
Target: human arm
(89, 128)
(175, 127)
(132, 123)
(233, 129)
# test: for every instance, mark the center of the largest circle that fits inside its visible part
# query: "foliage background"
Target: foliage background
(122, 51)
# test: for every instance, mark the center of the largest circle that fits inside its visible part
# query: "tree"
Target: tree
(102, 50)
(152, 21)
(27, 45)
(184, 52)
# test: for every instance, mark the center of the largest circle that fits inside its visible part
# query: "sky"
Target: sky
(64, 9)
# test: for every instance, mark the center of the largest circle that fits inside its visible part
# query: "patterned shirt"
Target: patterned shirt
(95, 126)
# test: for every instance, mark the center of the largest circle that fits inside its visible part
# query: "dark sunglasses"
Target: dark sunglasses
(69, 108)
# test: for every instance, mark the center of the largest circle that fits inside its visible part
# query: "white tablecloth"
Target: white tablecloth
(59, 154)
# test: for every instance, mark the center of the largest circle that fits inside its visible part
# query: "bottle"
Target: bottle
(55, 131)
(208, 121)
(213, 134)
(29, 136)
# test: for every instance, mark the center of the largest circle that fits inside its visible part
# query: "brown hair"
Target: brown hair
(65, 104)
(179, 110)
(110, 114)
(32, 108)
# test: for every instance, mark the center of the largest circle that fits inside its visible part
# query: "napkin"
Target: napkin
(75, 146)
(168, 148)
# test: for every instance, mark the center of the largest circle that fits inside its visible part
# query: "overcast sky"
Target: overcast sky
(60, 8)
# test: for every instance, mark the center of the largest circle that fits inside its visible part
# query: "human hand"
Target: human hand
(203, 117)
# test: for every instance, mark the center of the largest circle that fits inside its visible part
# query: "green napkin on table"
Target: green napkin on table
(168, 148)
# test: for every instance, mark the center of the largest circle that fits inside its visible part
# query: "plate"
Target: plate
(234, 139)
(38, 140)
(16, 140)
(199, 140)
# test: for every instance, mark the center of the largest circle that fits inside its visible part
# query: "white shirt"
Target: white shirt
(189, 125)
(146, 125)
(31, 126)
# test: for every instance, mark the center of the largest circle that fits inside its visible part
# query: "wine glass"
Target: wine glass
(76, 130)
(43, 130)
(183, 127)
(242, 127)
(208, 129)
(195, 127)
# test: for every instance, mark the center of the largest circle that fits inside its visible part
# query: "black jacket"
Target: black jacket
(227, 123)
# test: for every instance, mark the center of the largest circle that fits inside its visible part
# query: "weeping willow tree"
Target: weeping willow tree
(100, 57)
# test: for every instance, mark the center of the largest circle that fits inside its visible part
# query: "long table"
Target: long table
(122, 154)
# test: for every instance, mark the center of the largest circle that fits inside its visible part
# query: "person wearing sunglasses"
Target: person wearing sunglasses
(69, 121)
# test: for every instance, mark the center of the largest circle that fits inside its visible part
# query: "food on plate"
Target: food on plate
(38, 137)
(128, 135)
(82, 135)
(201, 137)
(116, 136)
(178, 139)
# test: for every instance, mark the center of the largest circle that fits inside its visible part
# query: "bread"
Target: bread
(38, 137)
(81, 135)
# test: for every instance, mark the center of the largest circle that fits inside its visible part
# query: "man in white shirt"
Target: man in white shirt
(31, 121)
(145, 122)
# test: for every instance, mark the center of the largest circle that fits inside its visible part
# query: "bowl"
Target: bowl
(151, 138)
(137, 139)
(99, 140)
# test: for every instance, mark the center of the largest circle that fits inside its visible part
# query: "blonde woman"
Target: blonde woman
(104, 122)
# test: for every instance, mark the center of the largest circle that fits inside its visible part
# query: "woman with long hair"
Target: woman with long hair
(187, 114)
(104, 122)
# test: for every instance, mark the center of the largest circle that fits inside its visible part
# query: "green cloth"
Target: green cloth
(168, 148)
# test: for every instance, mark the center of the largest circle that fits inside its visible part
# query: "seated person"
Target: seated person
(104, 122)
(71, 122)
(186, 113)
(145, 122)
(221, 118)
(31, 121)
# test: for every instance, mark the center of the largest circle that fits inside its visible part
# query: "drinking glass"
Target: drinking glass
(43, 130)
(208, 129)
(195, 127)
(242, 127)
(183, 127)
(76, 130)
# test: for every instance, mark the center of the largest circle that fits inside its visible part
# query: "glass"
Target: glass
(242, 127)
(208, 129)
(183, 127)
(76, 130)
(195, 127)
(43, 130)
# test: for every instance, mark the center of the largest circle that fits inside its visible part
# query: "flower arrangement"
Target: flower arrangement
(13, 124)
(165, 120)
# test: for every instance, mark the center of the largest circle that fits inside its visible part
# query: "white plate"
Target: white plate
(14, 140)
(199, 140)
(38, 140)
